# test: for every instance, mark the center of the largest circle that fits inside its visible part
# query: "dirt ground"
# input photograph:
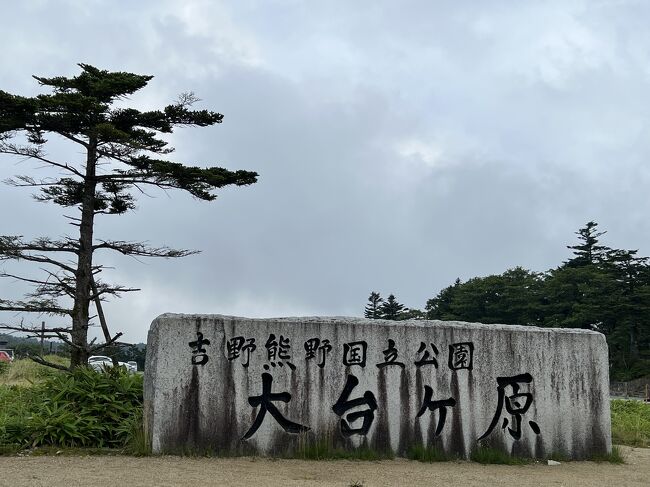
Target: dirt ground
(93, 471)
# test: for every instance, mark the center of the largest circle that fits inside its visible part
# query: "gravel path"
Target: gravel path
(119, 471)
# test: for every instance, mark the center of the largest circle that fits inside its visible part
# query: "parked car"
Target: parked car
(100, 362)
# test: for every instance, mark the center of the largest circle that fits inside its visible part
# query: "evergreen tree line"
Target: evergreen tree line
(599, 288)
(389, 309)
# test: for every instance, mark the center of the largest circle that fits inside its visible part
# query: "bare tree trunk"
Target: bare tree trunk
(42, 336)
(102, 319)
(80, 313)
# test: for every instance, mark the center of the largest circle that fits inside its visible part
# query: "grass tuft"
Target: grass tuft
(616, 456)
(323, 450)
(423, 453)
(487, 455)
(135, 441)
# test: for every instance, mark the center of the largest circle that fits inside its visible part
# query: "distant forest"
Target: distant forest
(599, 288)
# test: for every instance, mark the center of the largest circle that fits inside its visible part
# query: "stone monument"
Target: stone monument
(231, 385)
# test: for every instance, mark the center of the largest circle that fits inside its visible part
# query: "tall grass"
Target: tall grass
(631, 423)
(25, 372)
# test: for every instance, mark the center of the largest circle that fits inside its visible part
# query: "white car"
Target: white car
(100, 362)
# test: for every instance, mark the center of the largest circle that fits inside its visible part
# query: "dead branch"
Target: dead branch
(106, 344)
(45, 306)
(139, 249)
(34, 152)
(40, 360)
(33, 331)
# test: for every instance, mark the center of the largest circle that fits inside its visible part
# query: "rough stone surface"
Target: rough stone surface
(552, 397)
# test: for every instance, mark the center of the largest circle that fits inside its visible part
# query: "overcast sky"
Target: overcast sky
(400, 145)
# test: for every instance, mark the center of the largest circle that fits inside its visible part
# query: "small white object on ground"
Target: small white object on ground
(553, 462)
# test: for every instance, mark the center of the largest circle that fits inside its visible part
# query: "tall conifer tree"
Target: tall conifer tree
(373, 308)
(123, 154)
(587, 251)
(391, 309)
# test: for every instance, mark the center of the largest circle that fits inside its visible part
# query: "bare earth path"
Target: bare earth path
(118, 471)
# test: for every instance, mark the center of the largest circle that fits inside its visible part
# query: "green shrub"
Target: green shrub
(81, 408)
(4, 367)
(16, 405)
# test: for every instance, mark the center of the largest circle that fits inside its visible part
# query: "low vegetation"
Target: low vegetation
(631, 423)
(324, 450)
(487, 455)
(616, 456)
(423, 453)
(25, 372)
(79, 409)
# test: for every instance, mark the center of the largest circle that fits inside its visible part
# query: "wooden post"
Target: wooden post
(42, 336)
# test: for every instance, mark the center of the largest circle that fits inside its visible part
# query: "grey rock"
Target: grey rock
(552, 395)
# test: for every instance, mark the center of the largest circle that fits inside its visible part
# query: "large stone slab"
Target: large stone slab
(233, 385)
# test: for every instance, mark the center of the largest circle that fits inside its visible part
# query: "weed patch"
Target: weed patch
(616, 456)
(631, 423)
(323, 450)
(423, 453)
(487, 455)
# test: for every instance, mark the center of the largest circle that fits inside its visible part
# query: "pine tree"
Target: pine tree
(628, 301)
(123, 153)
(600, 288)
(373, 308)
(392, 310)
(587, 252)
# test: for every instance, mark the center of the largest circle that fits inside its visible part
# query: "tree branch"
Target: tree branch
(107, 343)
(40, 360)
(34, 331)
(35, 306)
(139, 249)
(54, 289)
(72, 138)
(43, 260)
(35, 153)
(14, 244)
